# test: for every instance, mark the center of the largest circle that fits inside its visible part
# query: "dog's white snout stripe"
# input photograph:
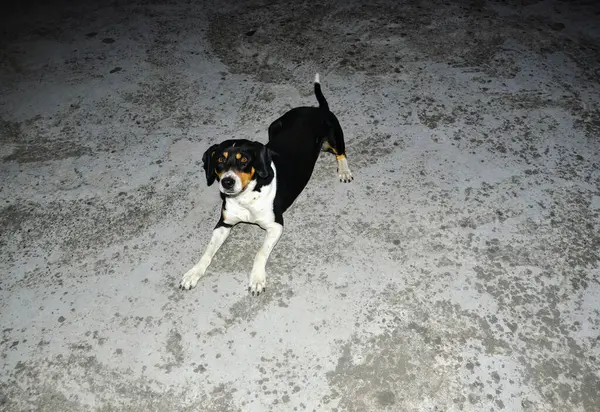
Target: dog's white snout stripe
(237, 187)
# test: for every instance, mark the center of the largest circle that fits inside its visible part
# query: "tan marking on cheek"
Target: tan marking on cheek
(219, 174)
(225, 154)
(245, 177)
(340, 157)
(238, 156)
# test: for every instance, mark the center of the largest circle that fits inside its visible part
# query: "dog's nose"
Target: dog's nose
(228, 183)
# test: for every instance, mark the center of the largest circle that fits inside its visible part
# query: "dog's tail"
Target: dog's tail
(320, 98)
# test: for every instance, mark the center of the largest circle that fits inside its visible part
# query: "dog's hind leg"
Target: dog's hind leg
(344, 172)
(334, 143)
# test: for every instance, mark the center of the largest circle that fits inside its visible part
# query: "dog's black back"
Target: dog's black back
(296, 139)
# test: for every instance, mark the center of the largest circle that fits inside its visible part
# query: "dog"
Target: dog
(258, 183)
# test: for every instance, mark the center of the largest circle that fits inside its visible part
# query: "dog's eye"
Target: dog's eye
(244, 160)
(220, 160)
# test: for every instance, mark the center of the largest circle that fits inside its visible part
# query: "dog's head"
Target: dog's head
(236, 163)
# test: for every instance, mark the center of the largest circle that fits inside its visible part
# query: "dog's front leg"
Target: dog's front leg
(259, 274)
(190, 279)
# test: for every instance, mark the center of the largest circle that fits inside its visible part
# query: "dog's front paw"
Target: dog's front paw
(258, 281)
(190, 279)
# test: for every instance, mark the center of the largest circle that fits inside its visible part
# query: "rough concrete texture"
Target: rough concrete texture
(458, 272)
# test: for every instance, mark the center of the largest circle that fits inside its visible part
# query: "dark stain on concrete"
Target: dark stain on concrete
(463, 34)
(134, 395)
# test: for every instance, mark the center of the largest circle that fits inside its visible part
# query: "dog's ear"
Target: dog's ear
(263, 168)
(208, 160)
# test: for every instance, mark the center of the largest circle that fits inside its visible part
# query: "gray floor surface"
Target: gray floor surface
(458, 272)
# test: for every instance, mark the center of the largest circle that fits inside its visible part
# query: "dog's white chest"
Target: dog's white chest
(251, 206)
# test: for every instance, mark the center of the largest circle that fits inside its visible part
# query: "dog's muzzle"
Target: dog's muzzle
(230, 184)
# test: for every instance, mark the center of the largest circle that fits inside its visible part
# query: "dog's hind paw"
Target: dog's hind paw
(346, 177)
(343, 170)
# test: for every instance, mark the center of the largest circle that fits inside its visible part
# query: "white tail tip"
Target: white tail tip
(317, 79)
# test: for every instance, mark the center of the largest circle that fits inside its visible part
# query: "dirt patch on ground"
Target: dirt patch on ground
(461, 34)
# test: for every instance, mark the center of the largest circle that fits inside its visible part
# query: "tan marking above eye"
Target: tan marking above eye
(238, 156)
(225, 154)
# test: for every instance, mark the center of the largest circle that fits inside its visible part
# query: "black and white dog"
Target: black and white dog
(258, 183)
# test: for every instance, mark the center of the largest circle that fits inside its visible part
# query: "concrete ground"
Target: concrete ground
(458, 272)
